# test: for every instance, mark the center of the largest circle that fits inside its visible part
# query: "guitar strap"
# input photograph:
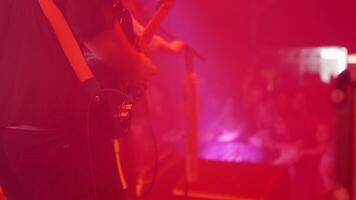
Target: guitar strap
(70, 46)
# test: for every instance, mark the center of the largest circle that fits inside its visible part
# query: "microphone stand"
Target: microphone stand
(191, 115)
(192, 50)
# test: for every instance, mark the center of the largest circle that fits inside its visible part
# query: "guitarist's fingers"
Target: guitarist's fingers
(147, 67)
(141, 45)
(177, 46)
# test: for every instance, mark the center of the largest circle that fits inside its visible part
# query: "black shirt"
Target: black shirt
(37, 85)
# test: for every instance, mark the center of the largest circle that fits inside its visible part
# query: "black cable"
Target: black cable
(89, 143)
(90, 156)
(92, 101)
(156, 152)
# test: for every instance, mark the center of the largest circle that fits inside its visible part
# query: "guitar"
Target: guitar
(120, 94)
(164, 6)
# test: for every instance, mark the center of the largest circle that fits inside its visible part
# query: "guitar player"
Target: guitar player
(134, 31)
(158, 43)
(43, 148)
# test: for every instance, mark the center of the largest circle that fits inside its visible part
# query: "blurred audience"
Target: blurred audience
(289, 122)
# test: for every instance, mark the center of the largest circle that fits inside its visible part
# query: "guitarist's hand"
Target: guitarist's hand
(139, 80)
(146, 68)
(141, 45)
(176, 46)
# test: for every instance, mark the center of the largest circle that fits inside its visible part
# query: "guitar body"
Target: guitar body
(118, 93)
(113, 110)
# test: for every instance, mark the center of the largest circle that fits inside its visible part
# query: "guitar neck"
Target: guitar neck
(154, 23)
